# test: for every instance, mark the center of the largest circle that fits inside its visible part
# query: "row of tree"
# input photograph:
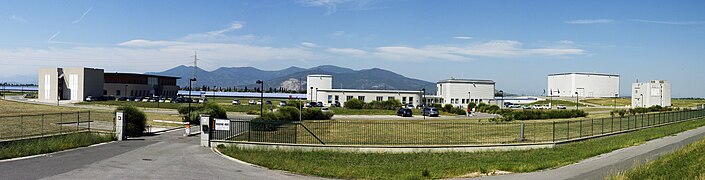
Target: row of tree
(245, 89)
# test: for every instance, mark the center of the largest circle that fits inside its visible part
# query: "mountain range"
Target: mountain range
(293, 78)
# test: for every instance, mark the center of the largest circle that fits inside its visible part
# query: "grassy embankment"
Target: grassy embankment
(621, 102)
(30, 147)
(445, 165)
(686, 163)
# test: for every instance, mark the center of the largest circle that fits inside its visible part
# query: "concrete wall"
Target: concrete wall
(585, 84)
(314, 82)
(404, 97)
(48, 84)
(654, 93)
(457, 93)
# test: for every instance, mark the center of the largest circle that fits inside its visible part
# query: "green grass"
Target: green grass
(445, 165)
(609, 101)
(451, 131)
(558, 102)
(686, 163)
(50, 144)
(687, 102)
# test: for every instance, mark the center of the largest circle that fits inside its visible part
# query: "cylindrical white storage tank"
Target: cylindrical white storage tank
(317, 81)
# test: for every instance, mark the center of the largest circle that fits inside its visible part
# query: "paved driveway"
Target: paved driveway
(165, 156)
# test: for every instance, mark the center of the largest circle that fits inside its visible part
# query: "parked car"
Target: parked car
(251, 102)
(235, 102)
(409, 106)
(325, 109)
(319, 104)
(404, 112)
(30, 96)
(161, 100)
(336, 104)
(546, 106)
(167, 100)
(259, 102)
(561, 107)
(124, 98)
(526, 107)
(153, 99)
(311, 104)
(90, 98)
(204, 100)
(516, 106)
(282, 103)
(267, 102)
(430, 111)
(536, 106)
(145, 99)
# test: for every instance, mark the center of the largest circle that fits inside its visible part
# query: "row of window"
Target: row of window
(404, 100)
(135, 93)
(464, 101)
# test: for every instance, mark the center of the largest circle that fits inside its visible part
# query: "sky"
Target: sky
(515, 43)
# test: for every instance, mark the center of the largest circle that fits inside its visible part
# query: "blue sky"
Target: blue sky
(515, 43)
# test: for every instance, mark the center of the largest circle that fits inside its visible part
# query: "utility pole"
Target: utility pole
(190, 85)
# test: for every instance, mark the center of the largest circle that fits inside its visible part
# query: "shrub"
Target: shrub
(447, 108)
(292, 114)
(289, 113)
(354, 104)
(211, 109)
(295, 103)
(316, 114)
(135, 120)
(391, 104)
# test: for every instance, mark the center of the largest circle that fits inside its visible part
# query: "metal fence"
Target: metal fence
(50, 124)
(440, 133)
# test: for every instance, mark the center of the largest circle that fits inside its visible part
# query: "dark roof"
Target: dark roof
(469, 81)
(137, 74)
(584, 73)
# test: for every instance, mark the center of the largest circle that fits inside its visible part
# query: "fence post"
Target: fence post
(78, 121)
(567, 132)
(42, 125)
(602, 124)
(89, 121)
(521, 133)
(554, 132)
(249, 129)
(592, 126)
(580, 129)
(61, 123)
(21, 126)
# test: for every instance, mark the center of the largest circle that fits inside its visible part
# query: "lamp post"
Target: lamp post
(316, 96)
(190, 81)
(615, 101)
(261, 97)
(469, 98)
(423, 98)
(577, 101)
(642, 100)
(502, 93)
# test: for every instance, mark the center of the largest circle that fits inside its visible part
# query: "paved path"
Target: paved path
(165, 156)
(623, 159)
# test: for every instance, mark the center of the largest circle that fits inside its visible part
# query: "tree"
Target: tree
(135, 120)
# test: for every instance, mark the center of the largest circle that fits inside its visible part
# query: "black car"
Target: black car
(124, 98)
(319, 104)
(429, 111)
(182, 100)
(404, 112)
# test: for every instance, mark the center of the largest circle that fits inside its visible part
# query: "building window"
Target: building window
(463, 101)
(348, 98)
(105, 92)
(390, 98)
(330, 99)
(403, 99)
(411, 100)
(337, 98)
(380, 98)
(117, 92)
(361, 98)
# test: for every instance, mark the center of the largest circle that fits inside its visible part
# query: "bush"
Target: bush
(135, 120)
(211, 109)
(289, 113)
(294, 103)
(354, 104)
(292, 114)
(391, 104)
(447, 108)
(316, 114)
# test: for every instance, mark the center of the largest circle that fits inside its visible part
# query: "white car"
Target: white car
(259, 102)
(561, 107)
(325, 109)
(536, 106)
(282, 103)
(236, 102)
(251, 102)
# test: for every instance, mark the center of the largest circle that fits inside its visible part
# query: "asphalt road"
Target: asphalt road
(620, 160)
(165, 156)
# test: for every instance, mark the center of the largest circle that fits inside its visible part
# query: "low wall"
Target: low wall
(383, 149)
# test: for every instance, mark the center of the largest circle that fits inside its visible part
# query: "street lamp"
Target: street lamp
(423, 98)
(469, 98)
(615, 101)
(577, 101)
(642, 100)
(502, 93)
(190, 88)
(261, 97)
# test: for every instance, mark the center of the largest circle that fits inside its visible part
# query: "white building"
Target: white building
(460, 92)
(584, 84)
(657, 92)
(320, 89)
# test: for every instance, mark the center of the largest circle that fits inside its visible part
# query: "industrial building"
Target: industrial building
(657, 92)
(320, 89)
(458, 92)
(75, 84)
(583, 85)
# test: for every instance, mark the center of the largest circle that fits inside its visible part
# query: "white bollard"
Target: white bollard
(205, 130)
(119, 125)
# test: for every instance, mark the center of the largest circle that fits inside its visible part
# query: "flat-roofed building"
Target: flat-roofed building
(319, 89)
(583, 85)
(656, 92)
(460, 92)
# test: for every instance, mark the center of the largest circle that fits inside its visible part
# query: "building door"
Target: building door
(581, 92)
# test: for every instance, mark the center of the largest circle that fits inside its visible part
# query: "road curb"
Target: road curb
(215, 150)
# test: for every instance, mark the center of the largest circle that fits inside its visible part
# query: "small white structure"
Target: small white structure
(657, 92)
(584, 84)
(460, 92)
(320, 89)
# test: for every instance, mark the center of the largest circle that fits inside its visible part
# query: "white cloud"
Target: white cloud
(332, 5)
(220, 34)
(82, 16)
(489, 49)
(669, 22)
(341, 34)
(309, 44)
(590, 21)
(18, 19)
(463, 37)
(53, 36)
(348, 51)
